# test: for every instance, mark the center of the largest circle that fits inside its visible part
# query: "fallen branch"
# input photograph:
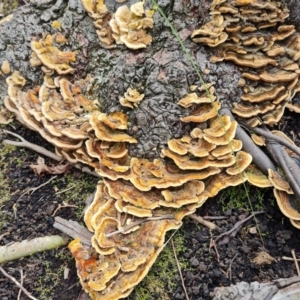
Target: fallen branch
(230, 265)
(201, 220)
(289, 258)
(29, 247)
(259, 158)
(31, 146)
(17, 284)
(25, 144)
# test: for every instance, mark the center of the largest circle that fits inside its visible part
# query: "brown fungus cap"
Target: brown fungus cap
(224, 139)
(105, 133)
(255, 61)
(121, 189)
(5, 67)
(278, 182)
(234, 145)
(222, 181)
(52, 57)
(187, 194)
(132, 98)
(242, 161)
(203, 113)
(196, 147)
(146, 174)
(256, 177)
(115, 120)
(284, 203)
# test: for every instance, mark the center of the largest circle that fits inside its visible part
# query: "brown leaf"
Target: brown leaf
(42, 168)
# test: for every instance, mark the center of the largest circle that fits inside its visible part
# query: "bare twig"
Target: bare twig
(17, 284)
(200, 220)
(296, 262)
(17, 250)
(65, 190)
(33, 189)
(179, 270)
(229, 270)
(213, 244)
(289, 258)
(65, 205)
(22, 279)
(215, 217)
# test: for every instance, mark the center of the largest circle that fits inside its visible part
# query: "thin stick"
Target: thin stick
(22, 279)
(231, 265)
(296, 262)
(33, 189)
(200, 220)
(179, 270)
(213, 244)
(59, 207)
(289, 258)
(65, 190)
(215, 218)
(17, 284)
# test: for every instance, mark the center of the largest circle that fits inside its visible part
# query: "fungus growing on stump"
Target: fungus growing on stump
(140, 199)
(269, 62)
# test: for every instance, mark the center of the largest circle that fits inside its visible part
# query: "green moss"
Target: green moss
(7, 7)
(237, 197)
(161, 280)
(77, 188)
(5, 162)
(52, 276)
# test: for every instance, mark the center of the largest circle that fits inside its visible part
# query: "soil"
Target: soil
(52, 274)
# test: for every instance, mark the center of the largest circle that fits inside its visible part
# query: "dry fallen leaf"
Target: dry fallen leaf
(41, 167)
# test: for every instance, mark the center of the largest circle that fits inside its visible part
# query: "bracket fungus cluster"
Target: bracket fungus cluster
(269, 60)
(139, 200)
(126, 26)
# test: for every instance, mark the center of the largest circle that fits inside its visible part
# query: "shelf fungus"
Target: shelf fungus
(269, 61)
(139, 200)
(131, 98)
(126, 26)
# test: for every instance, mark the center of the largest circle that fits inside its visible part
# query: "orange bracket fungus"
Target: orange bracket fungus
(138, 199)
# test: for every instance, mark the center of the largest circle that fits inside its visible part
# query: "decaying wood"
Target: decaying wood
(29, 247)
(73, 229)
(280, 289)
